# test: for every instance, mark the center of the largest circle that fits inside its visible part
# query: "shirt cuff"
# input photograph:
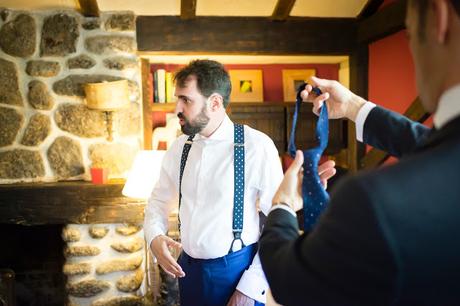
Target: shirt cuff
(285, 207)
(253, 285)
(361, 118)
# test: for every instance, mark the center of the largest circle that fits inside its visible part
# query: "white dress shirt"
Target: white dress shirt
(206, 211)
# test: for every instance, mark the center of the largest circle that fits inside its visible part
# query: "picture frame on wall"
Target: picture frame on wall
(247, 85)
(292, 79)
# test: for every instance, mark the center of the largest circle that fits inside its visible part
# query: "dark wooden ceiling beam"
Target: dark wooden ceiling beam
(187, 9)
(384, 22)
(89, 8)
(370, 9)
(245, 35)
(282, 9)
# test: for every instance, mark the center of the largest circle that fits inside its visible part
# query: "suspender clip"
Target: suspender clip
(237, 234)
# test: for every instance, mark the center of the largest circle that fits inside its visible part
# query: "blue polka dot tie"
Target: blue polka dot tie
(315, 197)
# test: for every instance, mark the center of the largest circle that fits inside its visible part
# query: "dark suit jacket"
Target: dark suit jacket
(390, 236)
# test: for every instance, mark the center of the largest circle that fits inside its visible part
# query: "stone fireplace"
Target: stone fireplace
(89, 246)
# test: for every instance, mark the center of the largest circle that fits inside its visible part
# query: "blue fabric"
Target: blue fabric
(315, 197)
(211, 282)
(238, 193)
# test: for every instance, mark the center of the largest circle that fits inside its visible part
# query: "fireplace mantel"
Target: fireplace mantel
(75, 202)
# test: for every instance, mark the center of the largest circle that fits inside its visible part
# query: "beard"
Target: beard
(195, 125)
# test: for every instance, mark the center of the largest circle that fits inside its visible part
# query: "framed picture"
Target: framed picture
(292, 79)
(247, 85)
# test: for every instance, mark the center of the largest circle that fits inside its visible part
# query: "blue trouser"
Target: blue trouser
(211, 282)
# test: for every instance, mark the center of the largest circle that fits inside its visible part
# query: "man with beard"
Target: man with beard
(218, 215)
(390, 235)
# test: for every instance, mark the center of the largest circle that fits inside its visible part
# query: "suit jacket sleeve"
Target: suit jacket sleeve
(393, 133)
(345, 260)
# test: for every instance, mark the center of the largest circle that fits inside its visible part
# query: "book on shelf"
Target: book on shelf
(164, 86)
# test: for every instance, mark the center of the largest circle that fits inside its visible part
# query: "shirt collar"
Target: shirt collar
(223, 132)
(448, 107)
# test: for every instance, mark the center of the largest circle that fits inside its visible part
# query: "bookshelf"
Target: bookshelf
(274, 116)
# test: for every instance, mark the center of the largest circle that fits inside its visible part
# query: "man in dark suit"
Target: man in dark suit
(390, 236)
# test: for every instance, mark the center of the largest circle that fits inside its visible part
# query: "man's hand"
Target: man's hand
(239, 299)
(290, 189)
(341, 102)
(160, 247)
(326, 170)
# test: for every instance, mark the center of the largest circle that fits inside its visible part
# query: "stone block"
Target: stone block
(9, 90)
(59, 35)
(129, 246)
(116, 265)
(42, 68)
(98, 232)
(82, 250)
(65, 158)
(131, 282)
(21, 164)
(18, 37)
(10, 123)
(87, 288)
(81, 121)
(39, 96)
(37, 130)
(107, 44)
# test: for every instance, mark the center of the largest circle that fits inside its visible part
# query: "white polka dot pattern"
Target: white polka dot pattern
(315, 197)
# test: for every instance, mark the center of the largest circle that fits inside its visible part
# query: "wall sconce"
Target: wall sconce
(144, 174)
(107, 97)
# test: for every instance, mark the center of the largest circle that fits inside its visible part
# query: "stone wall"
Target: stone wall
(46, 131)
(105, 265)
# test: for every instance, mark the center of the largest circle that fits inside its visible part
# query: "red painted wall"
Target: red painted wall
(391, 73)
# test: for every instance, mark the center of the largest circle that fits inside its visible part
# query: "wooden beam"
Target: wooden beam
(387, 21)
(68, 202)
(282, 9)
(359, 67)
(147, 87)
(89, 8)
(375, 157)
(370, 8)
(187, 9)
(248, 35)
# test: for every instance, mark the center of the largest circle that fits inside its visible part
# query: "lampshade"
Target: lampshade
(107, 96)
(144, 174)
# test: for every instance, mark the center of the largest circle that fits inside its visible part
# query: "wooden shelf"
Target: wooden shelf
(76, 202)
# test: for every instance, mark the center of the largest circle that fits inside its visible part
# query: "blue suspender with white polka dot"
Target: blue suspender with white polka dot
(315, 197)
(183, 161)
(238, 166)
(238, 187)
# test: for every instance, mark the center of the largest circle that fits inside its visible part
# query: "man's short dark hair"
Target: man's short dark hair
(211, 77)
(422, 8)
